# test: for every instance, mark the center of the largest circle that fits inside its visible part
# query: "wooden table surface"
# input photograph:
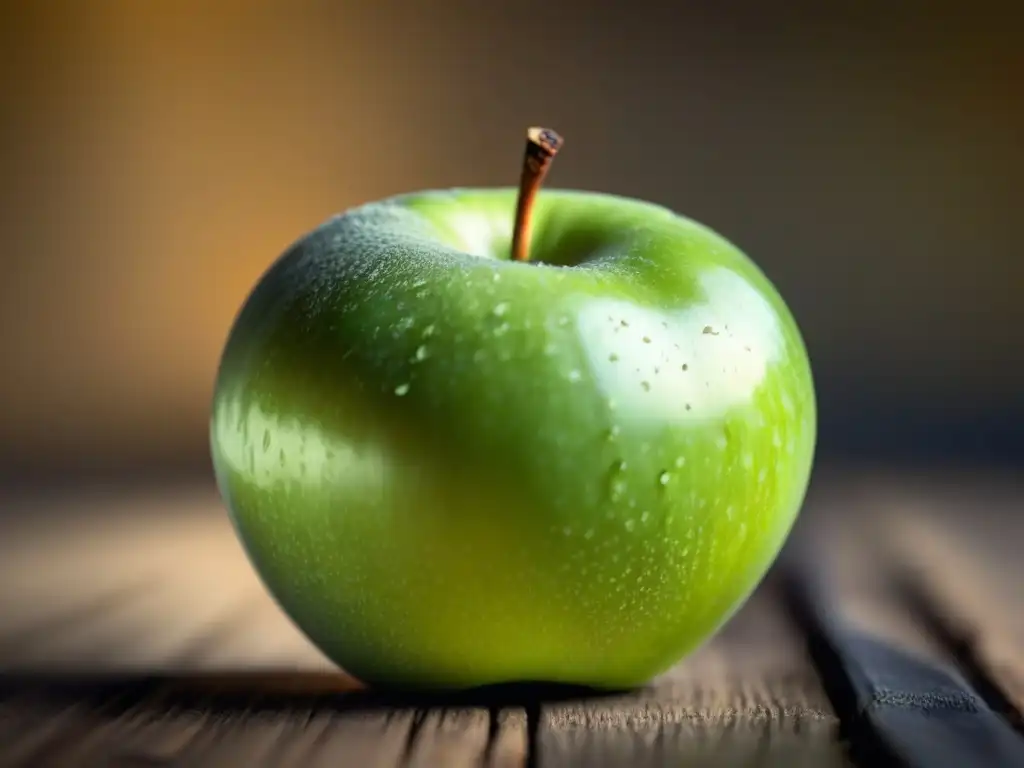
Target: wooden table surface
(133, 632)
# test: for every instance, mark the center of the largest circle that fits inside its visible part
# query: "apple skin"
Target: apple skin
(451, 469)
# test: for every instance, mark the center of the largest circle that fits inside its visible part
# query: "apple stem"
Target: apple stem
(541, 146)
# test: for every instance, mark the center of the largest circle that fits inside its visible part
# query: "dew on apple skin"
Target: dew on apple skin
(429, 330)
(630, 525)
(613, 357)
(664, 478)
(685, 367)
(618, 487)
(647, 339)
(574, 375)
(646, 386)
(402, 389)
(500, 308)
(617, 484)
(680, 461)
(645, 516)
(266, 440)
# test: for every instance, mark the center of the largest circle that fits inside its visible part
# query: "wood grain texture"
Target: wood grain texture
(906, 694)
(960, 562)
(134, 632)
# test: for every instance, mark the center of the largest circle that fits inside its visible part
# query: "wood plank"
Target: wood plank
(189, 660)
(120, 583)
(899, 687)
(961, 565)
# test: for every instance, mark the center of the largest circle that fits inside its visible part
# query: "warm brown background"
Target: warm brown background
(159, 154)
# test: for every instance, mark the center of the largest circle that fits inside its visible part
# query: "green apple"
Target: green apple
(454, 469)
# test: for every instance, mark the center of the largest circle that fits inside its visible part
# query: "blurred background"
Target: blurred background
(159, 155)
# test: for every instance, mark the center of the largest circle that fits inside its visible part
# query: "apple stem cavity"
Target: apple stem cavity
(542, 144)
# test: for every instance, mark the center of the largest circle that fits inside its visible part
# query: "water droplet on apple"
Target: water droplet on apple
(266, 439)
(617, 483)
(729, 512)
(496, 277)
(402, 390)
(567, 531)
(685, 367)
(647, 339)
(645, 516)
(422, 353)
(574, 375)
(630, 524)
(613, 357)
(617, 489)
(680, 461)
(589, 533)
(646, 385)
(613, 432)
(563, 320)
(429, 330)
(501, 308)
(762, 475)
(664, 477)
